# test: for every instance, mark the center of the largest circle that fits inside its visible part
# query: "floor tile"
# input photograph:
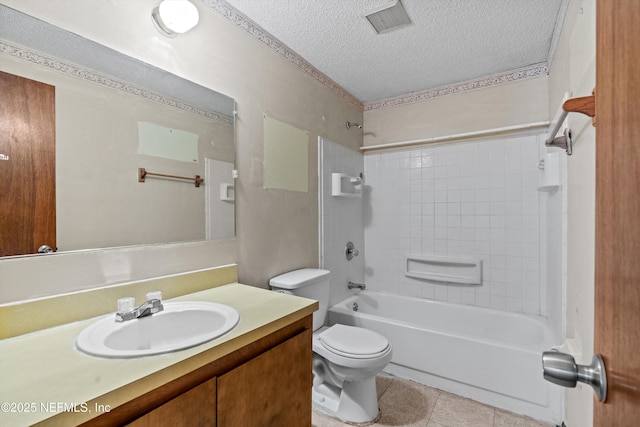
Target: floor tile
(406, 398)
(409, 404)
(319, 419)
(383, 381)
(455, 411)
(394, 417)
(507, 419)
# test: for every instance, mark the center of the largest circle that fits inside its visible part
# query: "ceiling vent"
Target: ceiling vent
(387, 18)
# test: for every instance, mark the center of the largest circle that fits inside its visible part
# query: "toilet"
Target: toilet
(346, 359)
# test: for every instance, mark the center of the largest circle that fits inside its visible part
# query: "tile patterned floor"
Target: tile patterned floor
(406, 403)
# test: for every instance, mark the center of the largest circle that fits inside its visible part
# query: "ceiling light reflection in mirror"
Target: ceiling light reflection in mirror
(173, 17)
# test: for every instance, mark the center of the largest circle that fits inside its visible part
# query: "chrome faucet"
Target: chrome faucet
(127, 311)
(352, 285)
(350, 251)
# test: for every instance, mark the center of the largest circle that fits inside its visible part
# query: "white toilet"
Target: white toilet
(346, 359)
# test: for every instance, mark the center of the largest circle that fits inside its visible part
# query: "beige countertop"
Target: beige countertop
(42, 374)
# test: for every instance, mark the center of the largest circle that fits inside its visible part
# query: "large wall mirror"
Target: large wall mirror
(113, 116)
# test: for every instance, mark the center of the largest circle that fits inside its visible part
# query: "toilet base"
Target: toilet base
(355, 402)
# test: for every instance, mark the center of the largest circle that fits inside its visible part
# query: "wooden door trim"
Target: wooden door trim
(617, 269)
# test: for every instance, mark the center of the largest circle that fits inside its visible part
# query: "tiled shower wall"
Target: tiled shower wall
(341, 219)
(555, 251)
(468, 199)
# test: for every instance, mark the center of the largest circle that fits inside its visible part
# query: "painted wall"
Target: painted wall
(508, 104)
(573, 70)
(276, 229)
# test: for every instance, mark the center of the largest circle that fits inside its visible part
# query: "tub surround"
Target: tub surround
(342, 219)
(473, 199)
(59, 373)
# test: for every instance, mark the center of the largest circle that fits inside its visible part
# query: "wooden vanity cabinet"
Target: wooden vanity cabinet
(180, 411)
(266, 383)
(273, 389)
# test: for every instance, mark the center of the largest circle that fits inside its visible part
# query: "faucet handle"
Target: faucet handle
(126, 304)
(154, 295)
(350, 251)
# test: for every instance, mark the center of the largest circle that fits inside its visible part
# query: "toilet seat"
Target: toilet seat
(353, 342)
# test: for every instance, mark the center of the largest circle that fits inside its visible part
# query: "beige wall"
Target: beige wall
(277, 229)
(573, 70)
(516, 103)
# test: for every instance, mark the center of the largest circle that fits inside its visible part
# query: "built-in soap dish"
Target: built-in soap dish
(465, 271)
(227, 192)
(343, 185)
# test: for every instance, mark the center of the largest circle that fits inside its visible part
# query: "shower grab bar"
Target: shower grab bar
(466, 135)
(143, 173)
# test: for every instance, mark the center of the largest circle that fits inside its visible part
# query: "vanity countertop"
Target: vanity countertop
(43, 376)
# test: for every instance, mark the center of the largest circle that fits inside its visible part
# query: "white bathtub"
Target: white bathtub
(487, 355)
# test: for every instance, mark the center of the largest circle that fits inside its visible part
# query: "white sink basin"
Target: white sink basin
(181, 325)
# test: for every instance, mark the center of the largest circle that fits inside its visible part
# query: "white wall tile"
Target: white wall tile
(342, 219)
(476, 199)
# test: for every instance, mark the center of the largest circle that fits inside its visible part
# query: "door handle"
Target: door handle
(561, 368)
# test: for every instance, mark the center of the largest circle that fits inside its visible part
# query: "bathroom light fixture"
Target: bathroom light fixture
(173, 17)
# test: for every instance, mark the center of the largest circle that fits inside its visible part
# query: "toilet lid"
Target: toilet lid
(351, 341)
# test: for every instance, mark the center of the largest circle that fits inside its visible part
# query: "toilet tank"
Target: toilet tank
(310, 283)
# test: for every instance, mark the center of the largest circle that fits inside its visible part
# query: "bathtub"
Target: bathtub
(487, 355)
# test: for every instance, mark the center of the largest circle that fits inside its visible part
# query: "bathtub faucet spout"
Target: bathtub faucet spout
(360, 286)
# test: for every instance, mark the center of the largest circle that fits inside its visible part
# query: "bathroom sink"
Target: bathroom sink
(181, 325)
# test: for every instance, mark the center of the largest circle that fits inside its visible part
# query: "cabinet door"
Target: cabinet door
(273, 389)
(196, 407)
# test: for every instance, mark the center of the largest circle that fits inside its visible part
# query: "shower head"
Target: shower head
(350, 125)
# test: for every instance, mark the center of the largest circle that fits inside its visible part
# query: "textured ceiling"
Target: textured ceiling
(449, 41)
(32, 33)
